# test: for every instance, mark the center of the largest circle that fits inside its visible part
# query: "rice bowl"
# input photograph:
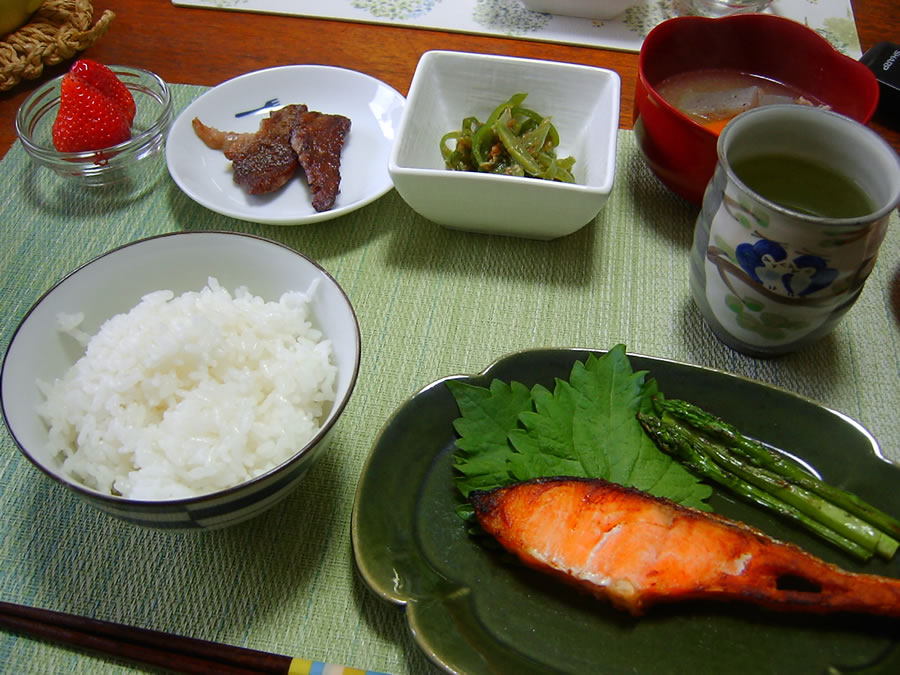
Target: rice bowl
(265, 397)
(186, 395)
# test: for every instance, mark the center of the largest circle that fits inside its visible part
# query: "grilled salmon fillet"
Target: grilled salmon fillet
(637, 550)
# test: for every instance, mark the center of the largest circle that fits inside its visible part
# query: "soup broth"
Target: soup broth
(713, 97)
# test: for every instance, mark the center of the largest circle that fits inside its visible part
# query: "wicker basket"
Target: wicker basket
(56, 32)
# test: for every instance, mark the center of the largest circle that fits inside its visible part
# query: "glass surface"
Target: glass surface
(137, 160)
(715, 8)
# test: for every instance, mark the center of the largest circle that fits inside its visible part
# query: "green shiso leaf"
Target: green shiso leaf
(488, 417)
(586, 427)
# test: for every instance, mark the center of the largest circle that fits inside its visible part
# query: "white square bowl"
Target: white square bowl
(583, 103)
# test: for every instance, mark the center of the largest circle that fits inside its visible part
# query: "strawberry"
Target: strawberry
(87, 120)
(105, 80)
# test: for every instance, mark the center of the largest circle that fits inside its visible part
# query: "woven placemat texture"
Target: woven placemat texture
(431, 302)
(57, 31)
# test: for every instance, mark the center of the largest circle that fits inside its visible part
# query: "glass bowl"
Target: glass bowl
(137, 158)
(715, 8)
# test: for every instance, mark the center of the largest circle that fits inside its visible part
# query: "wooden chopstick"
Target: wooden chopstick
(150, 647)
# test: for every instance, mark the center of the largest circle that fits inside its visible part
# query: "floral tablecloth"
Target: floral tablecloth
(510, 18)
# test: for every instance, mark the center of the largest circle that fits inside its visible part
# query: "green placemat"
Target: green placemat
(431, 302)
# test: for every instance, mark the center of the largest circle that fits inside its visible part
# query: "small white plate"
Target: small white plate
(205, 175)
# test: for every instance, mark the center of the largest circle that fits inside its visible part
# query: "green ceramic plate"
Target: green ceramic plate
(472, 611)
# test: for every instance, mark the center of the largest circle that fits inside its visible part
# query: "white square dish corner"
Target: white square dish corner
(583, 103)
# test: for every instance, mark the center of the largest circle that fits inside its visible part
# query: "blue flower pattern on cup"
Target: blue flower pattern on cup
(768, 264)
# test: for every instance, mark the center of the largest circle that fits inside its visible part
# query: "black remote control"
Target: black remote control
(884, 60)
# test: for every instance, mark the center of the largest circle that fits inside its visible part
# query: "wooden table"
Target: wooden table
(200, 46)
(428, 301)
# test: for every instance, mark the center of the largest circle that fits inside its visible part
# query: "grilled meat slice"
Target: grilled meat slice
(215, 138)
(262, 160)
(289, 137)
(265, 161)
(318, 140)
(637, 550)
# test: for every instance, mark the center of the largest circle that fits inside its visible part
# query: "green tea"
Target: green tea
(803, 186)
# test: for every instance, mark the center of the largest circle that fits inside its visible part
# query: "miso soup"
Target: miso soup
(713, 97)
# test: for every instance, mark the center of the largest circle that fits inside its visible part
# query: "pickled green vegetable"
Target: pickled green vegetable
(513, 141)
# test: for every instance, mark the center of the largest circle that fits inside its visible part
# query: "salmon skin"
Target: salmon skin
(637, 550)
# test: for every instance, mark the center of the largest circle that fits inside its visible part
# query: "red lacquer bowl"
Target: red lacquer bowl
(680, 151)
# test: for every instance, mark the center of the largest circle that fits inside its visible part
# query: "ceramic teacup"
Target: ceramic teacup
(790, 226)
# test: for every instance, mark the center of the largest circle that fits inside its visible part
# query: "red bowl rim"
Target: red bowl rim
(867, 76)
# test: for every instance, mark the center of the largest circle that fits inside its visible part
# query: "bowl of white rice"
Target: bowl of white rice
(188, 380)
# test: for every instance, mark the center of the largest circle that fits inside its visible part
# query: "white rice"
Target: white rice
(187, 395)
